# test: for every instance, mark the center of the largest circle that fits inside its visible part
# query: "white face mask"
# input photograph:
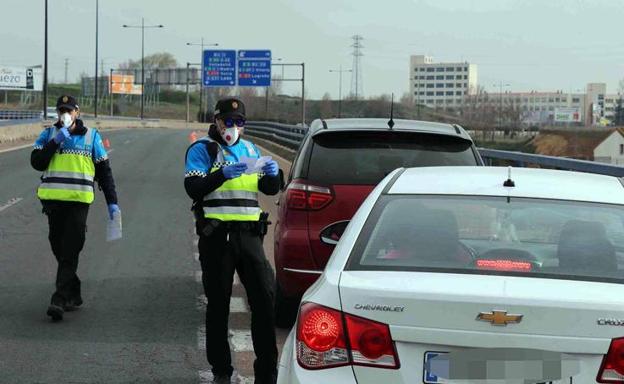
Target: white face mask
(230, 135)
(66, 119)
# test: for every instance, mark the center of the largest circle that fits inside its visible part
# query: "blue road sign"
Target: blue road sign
(254, 68)
(219, 68)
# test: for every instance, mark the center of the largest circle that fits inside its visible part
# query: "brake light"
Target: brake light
(505, 265)
(308, 197)
(371, 343)
(612, 367)
(322, 340)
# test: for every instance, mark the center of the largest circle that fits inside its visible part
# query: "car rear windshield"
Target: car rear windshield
(367, 157)
(493, 235)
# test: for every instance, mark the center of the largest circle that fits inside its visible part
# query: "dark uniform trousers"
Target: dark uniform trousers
(68, 225)
(219, 258)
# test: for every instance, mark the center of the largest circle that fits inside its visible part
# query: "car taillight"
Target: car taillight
(371, 343)
(305, 196)
(612, 367)
(322, 340)
(504, 265)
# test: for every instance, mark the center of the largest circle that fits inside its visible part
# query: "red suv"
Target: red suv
(338, 164)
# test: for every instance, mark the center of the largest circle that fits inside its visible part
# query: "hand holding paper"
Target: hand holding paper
(255, 165)
(271, 168)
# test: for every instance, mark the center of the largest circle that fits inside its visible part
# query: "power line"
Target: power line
(66, 69)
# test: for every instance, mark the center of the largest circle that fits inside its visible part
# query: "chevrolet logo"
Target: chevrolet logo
(499, 317)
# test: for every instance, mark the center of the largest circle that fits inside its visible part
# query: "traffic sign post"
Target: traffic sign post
(254, 68)
(219, 68)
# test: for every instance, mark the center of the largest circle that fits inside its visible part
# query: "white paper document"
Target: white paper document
(255, 165)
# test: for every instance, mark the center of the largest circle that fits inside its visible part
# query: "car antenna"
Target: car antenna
(391, 121)
(509, 182)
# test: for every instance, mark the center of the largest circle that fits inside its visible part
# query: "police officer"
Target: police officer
(231, 226)
(71, 157)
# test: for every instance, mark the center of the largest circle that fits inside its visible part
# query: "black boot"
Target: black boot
(72, 304)
(55, 311)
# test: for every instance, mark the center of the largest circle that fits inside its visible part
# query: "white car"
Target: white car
(470, 275)
(52, 113)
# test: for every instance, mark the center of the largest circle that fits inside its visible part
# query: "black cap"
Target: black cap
(229, 107)
(66, 101)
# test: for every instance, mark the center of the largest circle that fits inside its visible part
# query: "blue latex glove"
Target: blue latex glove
(112, 208)
(235, 170)
(61, 136)
(271, 168)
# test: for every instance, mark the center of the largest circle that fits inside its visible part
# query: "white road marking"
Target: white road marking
(198, 276)
(10, 203)
(127, 141)
(16, 148)
(196, 242)
(205, 377)
(240, 339)
(196, 256)
(201, 338)
(238, 305)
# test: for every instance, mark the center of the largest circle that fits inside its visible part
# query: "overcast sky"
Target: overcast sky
(530, 44)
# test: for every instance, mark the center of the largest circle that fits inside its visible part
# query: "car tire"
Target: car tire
(285, 309)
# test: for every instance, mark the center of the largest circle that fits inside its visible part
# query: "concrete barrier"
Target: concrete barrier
(30, 131)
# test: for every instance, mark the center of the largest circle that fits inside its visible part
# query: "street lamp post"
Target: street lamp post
(340, 71)
(45, 66)
(500, 112)
(143, 26)
(201, 86)
(97, 20)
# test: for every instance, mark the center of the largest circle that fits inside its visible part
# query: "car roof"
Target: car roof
(370, 124)
(529, 183)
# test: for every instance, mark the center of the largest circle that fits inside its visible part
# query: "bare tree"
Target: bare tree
(513, 115)
(276, 86)
(479, 111)
(326, 106)
(407, 100)
(156, 60)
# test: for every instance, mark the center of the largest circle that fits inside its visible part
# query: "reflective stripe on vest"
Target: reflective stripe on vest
(236, 199)
(70, 174)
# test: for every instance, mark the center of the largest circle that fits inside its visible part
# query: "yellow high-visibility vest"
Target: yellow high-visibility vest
(70, 175)
(236, 199)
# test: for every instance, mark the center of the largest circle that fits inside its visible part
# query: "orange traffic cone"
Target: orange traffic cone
(107, 143)
(193, 137)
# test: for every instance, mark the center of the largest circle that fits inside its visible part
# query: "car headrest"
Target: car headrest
(584, 245)
(432, 235)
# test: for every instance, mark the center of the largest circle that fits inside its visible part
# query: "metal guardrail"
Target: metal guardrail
(19, 115)
(290, 136)
(5, 123)
(287, 135)
(522, 159)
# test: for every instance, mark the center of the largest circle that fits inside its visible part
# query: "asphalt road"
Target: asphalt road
(143, 313)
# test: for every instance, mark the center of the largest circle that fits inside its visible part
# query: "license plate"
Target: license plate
(440, 366)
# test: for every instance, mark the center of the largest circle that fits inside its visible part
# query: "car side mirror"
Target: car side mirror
(281, 177)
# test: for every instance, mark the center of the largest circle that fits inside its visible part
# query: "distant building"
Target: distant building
(611, 149)
(594, 107)
(453, 86)
(441, 85)
(604, 146)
